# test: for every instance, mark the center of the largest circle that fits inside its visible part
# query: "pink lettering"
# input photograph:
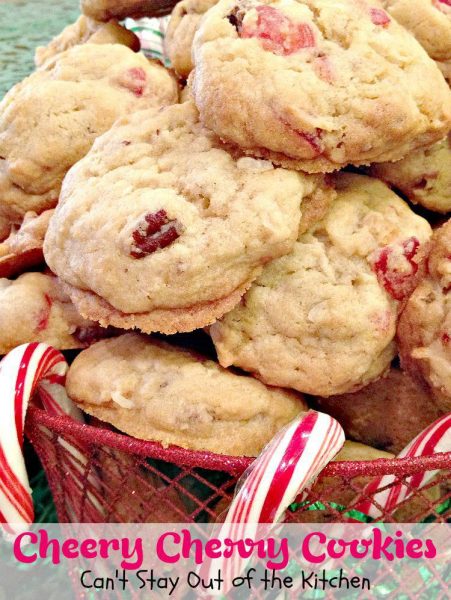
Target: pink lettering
(306, 548)
(414, 549)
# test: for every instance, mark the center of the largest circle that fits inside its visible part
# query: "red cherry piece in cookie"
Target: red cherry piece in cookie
(44, 315)
(379, 17)
(443, 6)
(446, 338)
(277, 33)
(311, 139)
(155, 233)
(134, 79)
(395, 268)
(382, 321)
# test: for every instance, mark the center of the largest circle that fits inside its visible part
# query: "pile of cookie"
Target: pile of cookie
(278, 199)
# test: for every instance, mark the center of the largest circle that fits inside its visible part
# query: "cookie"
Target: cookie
(183, 24)
(147, 499)
(322, 319)
(424, 331)
(172, 228)
(104, 10)
(83, 31)
(50, 120)
(430, 22)
(34, 308)
(424, 176)
(386, 414)
(154, 391)
(23, 248)
(316, 84)
(408, 511)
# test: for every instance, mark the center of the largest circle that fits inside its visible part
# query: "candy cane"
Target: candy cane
(27, 369)
(288, 464)
(435, 438)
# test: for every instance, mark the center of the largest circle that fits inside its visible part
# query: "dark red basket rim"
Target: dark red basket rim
(234, 465)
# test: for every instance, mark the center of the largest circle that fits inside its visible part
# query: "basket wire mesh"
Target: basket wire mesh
(116, 478)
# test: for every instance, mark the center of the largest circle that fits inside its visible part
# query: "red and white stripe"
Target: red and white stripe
(26, 370)
(288, 464)
(435, 438)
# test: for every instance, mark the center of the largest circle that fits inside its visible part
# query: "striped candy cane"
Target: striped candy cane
(151, 32)
(289, 463)
(26, 370)
(435, 438)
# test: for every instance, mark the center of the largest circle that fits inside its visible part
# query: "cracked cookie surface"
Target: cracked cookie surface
(160, 227)
(322, 319)
(155, 391)
(316, 84)
(50, 120)
(430, 22)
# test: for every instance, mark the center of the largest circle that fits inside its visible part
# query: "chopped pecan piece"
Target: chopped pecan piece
(155, 233)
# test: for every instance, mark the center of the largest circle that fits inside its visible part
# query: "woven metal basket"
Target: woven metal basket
(122, 479)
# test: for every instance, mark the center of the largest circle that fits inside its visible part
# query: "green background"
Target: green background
(25, 24)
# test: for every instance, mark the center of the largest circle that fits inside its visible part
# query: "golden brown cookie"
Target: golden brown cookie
(51, 119)
(23, 248)
(430, 22)
(104, 10)
(184, 22)
(424, 330)
(424, 176)
(34, 308)
(154, 391)
(316, 84)
(181, 224)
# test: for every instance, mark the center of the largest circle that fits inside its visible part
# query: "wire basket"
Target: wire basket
(99, 475)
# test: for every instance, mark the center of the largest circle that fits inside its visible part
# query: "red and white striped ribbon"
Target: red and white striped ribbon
(435, 438)
(288, 464)
(26, 370)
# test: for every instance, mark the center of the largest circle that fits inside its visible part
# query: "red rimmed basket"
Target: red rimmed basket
(116, 478)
